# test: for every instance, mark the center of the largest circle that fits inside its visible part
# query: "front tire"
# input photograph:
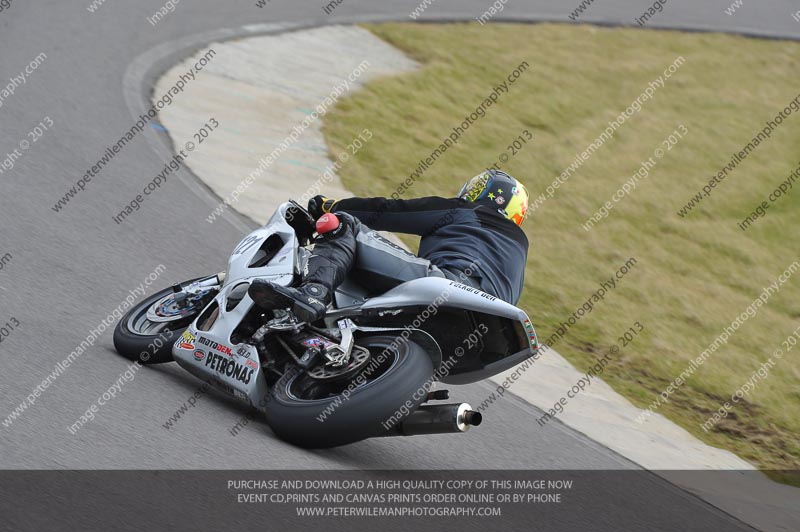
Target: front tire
(302, 413)
(147, 342)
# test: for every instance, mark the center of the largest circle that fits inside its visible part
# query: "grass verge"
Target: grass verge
(694, 274)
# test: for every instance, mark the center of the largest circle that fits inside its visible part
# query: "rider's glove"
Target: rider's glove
(319, 205)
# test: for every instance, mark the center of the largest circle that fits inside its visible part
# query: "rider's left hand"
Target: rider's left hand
(319, 205)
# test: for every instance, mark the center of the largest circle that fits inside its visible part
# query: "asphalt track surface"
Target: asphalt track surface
(70, 269)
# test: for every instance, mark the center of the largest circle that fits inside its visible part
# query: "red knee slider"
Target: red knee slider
(327, 223)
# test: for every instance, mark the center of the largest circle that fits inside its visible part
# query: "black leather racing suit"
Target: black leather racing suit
(457, 236)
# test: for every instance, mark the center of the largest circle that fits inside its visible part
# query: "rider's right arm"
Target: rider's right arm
(420, 216)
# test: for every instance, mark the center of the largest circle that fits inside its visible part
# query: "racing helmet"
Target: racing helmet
(498, 191)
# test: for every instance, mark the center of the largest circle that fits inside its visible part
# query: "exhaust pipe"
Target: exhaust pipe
(437, 419)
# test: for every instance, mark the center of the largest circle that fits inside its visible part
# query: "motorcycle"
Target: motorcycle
(365, 370)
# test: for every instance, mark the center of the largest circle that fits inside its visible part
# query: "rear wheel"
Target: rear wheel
(316, 413)
(149, 330)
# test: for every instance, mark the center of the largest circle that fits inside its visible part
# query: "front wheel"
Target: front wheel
(149, 330)
(314, 413)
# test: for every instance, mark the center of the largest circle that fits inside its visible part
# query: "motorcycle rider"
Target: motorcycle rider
(474, 238)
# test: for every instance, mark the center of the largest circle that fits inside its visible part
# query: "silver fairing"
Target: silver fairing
(444, 293)
(210, 355)
(427, 290)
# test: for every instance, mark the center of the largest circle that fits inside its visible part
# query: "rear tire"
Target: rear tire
(406, 370)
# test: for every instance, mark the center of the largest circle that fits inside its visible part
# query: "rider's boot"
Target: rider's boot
(329, 264)
(308, 302)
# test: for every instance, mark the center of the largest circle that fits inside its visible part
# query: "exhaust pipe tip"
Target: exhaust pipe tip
(466, 417)
(472, 417)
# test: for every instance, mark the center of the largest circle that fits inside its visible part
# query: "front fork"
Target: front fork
(186, 296)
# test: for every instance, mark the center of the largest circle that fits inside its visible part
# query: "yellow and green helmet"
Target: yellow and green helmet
(498, 191)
